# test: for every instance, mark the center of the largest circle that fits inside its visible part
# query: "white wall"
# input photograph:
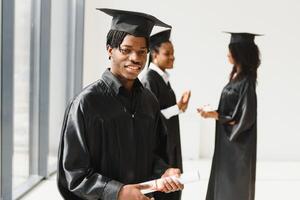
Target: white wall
(201, 65)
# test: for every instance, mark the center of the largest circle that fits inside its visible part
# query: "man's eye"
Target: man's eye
(126, 51)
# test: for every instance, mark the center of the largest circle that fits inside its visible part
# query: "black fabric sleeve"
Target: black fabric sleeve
(75, 172)
(244, 114)
(160, 154)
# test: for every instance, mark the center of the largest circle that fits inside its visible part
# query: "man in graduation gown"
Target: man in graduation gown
(156, 79)
(112, 131)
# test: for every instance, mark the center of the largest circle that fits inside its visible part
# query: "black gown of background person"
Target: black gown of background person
(166, 98)
(109, 138)
(234, 161)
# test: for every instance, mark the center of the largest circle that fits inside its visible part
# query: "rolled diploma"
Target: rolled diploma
(188, 177)
(208, 108)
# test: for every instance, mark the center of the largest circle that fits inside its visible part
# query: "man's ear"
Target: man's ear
(109, 51)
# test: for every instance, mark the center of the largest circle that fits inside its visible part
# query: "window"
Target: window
(21, 91)
(28, 143)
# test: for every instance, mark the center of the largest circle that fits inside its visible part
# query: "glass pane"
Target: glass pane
(21, 91)
(58, 73)
(0, 94)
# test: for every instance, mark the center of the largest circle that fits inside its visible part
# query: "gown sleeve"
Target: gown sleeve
(75, 170)
(160, 154)
(244, 114)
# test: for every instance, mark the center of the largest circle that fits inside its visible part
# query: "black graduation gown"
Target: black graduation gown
(105, 145)
(234, 161)
(166, 98)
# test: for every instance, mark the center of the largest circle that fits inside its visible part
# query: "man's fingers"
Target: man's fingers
(164, 186)
(172, 184)
(178, 184)
(167, 185)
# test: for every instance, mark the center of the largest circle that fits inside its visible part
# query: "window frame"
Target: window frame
(40, 58)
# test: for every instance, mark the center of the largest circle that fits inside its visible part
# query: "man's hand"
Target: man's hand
(172, 172)
(133, 192)
(184, 101)
(167, 184)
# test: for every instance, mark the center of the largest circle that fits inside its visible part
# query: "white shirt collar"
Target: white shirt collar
(165, 75)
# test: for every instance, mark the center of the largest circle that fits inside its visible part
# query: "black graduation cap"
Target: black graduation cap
(135, 23)
(242, 37)
(159, 38)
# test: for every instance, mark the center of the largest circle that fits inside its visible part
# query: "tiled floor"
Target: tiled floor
(275, 181)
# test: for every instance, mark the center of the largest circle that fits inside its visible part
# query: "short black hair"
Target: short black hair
(114, 38)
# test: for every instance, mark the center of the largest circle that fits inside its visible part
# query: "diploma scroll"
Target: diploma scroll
(207, 108)
(187, 177)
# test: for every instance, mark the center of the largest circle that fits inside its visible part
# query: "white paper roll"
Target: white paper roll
(208, 108)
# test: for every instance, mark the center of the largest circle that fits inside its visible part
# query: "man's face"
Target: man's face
(129, 60)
